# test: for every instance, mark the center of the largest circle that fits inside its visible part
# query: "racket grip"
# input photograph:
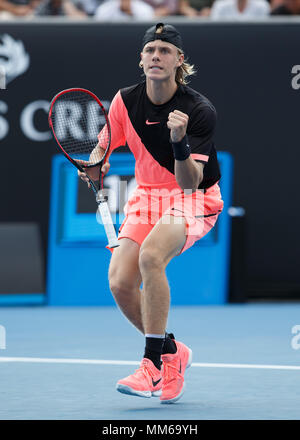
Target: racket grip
(108, 224)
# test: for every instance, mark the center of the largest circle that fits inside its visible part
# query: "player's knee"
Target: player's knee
(149, 259)
(119, 286)
(118, 289)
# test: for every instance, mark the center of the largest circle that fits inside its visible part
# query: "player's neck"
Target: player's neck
(160, 92)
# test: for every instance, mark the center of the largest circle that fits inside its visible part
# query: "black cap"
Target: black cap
(164, 32)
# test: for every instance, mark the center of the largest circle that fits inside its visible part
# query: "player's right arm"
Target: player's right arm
(94, 171)
(117, 139)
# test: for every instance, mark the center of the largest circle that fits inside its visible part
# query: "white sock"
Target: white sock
(148, 335)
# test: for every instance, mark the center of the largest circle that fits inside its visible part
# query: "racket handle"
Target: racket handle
(108, 225)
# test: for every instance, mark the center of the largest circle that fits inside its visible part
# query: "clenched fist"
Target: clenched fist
(177, 123)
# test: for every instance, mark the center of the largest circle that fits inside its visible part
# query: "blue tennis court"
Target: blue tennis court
(63, 363)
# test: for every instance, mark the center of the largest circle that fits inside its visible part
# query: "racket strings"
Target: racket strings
(77, 119)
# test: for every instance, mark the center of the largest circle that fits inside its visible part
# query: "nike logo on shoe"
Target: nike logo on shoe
(154, 383)
(151, 123)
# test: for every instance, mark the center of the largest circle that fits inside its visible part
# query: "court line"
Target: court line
(118, 362)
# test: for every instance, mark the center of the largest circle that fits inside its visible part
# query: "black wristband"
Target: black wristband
(181, 149)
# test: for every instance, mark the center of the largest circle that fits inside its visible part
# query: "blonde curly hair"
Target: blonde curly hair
(184, 70)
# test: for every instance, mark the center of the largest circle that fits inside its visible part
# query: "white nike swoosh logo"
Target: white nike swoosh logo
(151, 123)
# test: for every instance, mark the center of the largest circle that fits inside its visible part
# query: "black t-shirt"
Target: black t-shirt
(144, 127)
(50, 9)
(281, 10)
(20, 2)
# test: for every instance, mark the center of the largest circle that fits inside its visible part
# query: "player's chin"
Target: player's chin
(157, 75)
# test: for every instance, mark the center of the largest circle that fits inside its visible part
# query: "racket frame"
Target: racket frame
(99, 194)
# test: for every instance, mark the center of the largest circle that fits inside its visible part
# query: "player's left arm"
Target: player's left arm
(188, 172)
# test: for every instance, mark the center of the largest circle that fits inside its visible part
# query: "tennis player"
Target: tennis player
(169, 128)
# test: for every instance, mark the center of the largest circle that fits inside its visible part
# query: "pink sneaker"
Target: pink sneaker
(174, 366)
(145, 382)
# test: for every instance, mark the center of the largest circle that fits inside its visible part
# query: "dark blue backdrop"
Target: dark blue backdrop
(244, 69)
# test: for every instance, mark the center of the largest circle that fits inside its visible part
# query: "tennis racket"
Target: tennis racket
(81, 128)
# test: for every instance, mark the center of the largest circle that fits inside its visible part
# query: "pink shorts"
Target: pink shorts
(147, 205)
